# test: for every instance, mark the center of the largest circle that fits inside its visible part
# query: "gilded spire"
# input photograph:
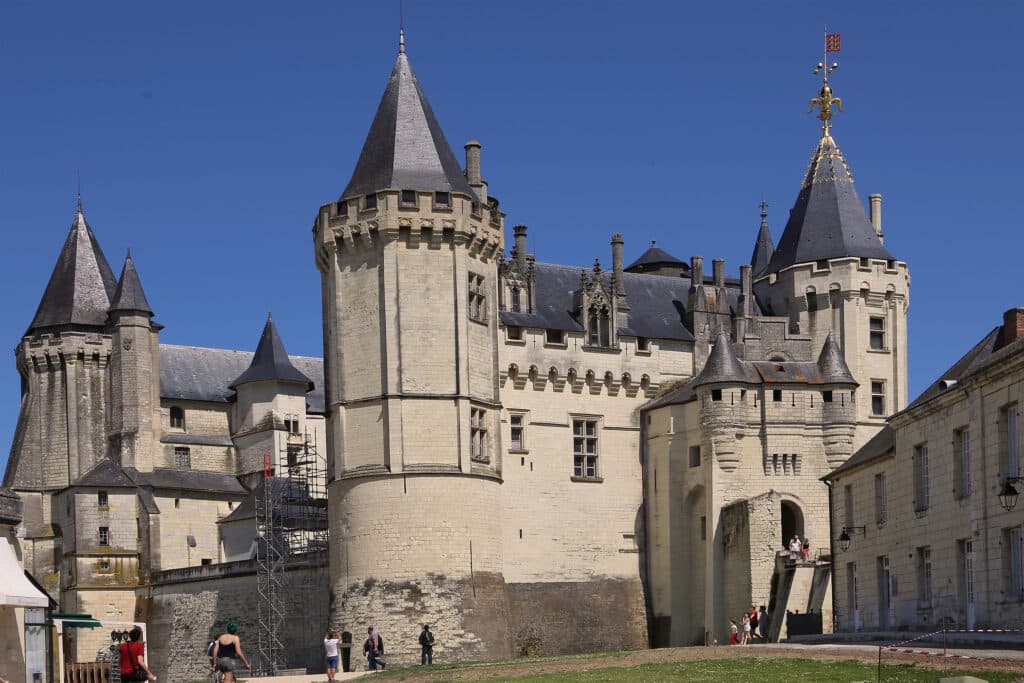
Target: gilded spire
(825, 101)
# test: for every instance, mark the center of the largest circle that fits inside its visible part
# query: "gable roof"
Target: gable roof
(81, 285)
(192, 373)
(405, 148)
(271, 363)
(828, 220)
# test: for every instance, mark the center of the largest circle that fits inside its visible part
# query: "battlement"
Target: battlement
(50, 351)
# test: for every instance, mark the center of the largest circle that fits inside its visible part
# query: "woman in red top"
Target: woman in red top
(133, 658)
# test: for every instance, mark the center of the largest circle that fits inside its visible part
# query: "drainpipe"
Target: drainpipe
(832, 552)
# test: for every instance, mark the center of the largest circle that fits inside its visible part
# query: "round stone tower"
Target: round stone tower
(407, 257)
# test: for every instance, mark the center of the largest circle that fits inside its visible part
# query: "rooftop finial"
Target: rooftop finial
(401, 27)
(764, 207)
(824, 100)
(401, 41)
(78, 179)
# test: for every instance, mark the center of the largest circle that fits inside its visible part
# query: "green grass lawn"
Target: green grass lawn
(745, 670)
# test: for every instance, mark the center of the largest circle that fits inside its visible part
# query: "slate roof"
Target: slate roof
(194, 373)
(198, 440)
(828, 219)
(681, 393)
(880, 445)
(405, 148)
(271, 363)
(970, 361)
(657, 304)
(106, 473)
(831, 363)
(656, 256)
(81, 285)
(764, 248)
(187, 480)
(724, 366)
(128, 296)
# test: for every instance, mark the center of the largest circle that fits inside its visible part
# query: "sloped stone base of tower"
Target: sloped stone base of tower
(468, 616)
(568, 617)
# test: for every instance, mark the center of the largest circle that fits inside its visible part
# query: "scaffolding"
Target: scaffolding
(291, 527)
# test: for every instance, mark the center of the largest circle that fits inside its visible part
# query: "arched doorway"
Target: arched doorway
(792, 522)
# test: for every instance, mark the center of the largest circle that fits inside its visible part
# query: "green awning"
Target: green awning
(76, 620)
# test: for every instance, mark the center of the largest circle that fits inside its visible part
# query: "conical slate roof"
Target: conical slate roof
(722, 364)
(405, 148)
(271, 362)
(828, 219)
(764, 248)
(129, 295)
(832, 365)
(81, 285)
(655, 255)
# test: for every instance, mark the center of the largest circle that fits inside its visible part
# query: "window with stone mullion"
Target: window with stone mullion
(585, 448)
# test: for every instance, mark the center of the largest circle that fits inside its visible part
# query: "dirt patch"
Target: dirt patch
(821, 653)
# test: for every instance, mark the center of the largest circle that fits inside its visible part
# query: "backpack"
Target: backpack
(209, 650)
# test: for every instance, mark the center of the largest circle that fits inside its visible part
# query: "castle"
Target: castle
(532, 457)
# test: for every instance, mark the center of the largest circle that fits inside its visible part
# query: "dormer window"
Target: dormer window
(370, 202)
(177, 418)
(408, 198)
(516, 306)
(442, 199)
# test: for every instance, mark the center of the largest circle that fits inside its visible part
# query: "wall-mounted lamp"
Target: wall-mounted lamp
(844, 537)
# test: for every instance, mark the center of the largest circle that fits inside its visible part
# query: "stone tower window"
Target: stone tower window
(876, 328)
(516, 305)
(555, 337)
(694, 456)
(643, 344)
(877, 397)
(517, 431)
(599, 327)
(478, 443)
(442, 199)
(104, 535)
(584, 448)
(177, 418)
(777, 395)
(183, 457)
(921, 492)
(102, 500)
(826, 396)
(477, 298)
(408, 198)
(370, 202)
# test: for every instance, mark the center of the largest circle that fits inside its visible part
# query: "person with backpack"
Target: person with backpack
(426, 645)
(373, 648)
(133, 658)
(227, 650)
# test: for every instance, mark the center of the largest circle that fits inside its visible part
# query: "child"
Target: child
(733, 633)
(745, 638)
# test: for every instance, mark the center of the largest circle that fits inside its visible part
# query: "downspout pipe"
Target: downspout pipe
(832, 553)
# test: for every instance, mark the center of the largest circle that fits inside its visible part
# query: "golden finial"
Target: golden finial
(824, 101)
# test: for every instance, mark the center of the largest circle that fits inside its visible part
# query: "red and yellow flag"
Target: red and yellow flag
(832, 42)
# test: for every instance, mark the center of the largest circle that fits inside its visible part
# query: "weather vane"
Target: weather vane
(824, 101)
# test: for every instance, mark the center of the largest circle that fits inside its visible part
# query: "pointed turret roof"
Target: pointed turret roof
(828, 219)
(405, 148)
(831, 363)
(271, 362)
(722, 365)
(129, 295)
(764, 247)
(81, 285)
(655, 256)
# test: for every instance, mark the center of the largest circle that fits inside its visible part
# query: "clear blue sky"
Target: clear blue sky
(208, 134)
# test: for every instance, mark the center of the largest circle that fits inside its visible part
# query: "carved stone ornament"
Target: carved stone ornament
(127, 344)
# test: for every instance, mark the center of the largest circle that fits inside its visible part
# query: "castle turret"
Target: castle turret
(764, 247)
(831, 273)
(62, 361)
(411, 241)
(134, 373)
(270, 407)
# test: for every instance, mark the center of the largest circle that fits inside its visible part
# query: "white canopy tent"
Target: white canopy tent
(15, 589)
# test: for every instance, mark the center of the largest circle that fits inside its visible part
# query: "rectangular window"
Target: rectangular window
(182, 457)
(848, 505)
(554, 337)
(1013, 563)
(477, 298)
(881, 507)
(516, 301)
(408, 197)
(643, 344)
(104, 535)
(102, 500)
(716, 394)
(962, 462)
(703, 528)
(342, 208)
(442, 199)
(921, 477)
(104, 565)
(1009, 446)
(177, 418)
(877, 397)
(517, 429)
(694, 456)
(924, 576)
(777, 395)
(584, 448)
(826, 396)
(876, 330)
(478, 443)
(370, 201)
(851, 592)
(514, 333)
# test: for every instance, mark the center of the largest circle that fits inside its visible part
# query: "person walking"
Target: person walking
(762, 624)
(426, 646)
(745, 638)
(733, 633)
(806, 549)
(133, 658)
(331, 652)
(373, 648)
(227, 650)
(753, 623)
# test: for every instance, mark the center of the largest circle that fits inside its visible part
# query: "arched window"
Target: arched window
(515, 300)
(177, 418)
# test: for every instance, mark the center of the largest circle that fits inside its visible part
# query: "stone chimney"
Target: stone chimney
(718, 269)
(520, 248)
(1013, 325)
(618, 281)
(696, 271)
(876, 215)
(745, 311)
(473, 173)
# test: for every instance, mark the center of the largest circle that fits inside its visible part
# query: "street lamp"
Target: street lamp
(844, 537)
(1008, 496)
